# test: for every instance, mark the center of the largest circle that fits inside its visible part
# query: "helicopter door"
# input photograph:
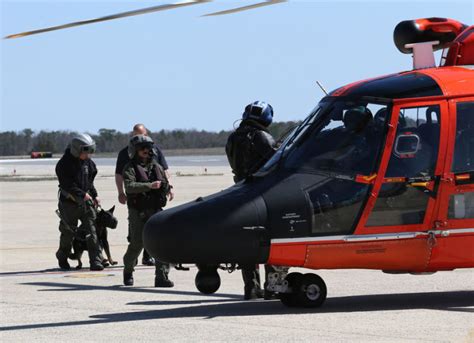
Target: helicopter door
(405, 197)
(455, 214)
(458, 207)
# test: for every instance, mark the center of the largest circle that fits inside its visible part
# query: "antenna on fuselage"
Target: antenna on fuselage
(322, 88)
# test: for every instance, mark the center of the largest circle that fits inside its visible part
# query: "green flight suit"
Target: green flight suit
(137, 217)
(71, 213)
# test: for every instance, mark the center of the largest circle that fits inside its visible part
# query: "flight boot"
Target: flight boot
(269, 295)
(127, 279)
(251, 277)
(62, 260)
(253, 293)
(164, 283)
(147, 260)
(161, 275)
(96, 266)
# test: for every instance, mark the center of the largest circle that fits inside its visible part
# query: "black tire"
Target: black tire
(207, 281)
(294, 282)
(312, 292)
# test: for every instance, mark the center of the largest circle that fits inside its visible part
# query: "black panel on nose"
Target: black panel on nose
(229, 227)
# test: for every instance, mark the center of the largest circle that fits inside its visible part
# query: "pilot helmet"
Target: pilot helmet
(356, 118)
(380, 118)
(137, 143)
(259, 111)
(82, 143)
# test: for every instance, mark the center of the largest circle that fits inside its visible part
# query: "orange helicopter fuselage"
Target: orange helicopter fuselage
(444, 240)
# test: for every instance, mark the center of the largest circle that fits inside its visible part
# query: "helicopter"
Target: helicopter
(147, 10)
(380, 175)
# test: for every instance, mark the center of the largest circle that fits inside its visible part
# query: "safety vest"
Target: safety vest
(154, 199)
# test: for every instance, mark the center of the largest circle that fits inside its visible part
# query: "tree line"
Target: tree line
(14, 143)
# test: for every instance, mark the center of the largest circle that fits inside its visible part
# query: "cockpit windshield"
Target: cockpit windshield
(346, 139)
(291, 138)
(341, 137)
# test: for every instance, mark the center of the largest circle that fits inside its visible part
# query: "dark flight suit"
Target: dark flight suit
(143, 202)
(76, 178)
(123, 159)
(247, 149)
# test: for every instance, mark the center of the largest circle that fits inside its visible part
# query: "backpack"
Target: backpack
(241, 152)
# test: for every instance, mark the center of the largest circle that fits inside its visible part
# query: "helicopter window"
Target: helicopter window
(461, 206)
(336, 205)
(399, 203)
(293, 137)
(346, 140)
(464, 146)
(422, 125)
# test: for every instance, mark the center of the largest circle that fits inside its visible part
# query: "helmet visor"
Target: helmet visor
(90, 149)
(144, 146)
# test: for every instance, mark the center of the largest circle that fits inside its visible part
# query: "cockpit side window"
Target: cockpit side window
(419, 125)
(461, 204)
(464, 145)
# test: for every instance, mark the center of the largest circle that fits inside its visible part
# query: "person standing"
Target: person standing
(77, 200)
(247, 149)
(147, 190)
(122, 160)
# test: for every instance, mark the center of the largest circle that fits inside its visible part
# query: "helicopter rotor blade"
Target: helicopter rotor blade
(246, 8)
(111, 17)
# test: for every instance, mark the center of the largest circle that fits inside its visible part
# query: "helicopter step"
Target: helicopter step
(304, 290)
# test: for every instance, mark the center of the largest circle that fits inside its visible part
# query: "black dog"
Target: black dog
(104, 220)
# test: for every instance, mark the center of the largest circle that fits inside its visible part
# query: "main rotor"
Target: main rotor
(147, 10)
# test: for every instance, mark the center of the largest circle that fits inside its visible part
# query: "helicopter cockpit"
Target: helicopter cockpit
(342, 142)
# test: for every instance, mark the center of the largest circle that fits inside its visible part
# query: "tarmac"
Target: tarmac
(41, 303)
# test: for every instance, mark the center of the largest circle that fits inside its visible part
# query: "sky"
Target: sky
(177, 69)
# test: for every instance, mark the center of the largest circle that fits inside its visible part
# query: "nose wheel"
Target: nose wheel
(207, 279)
(308, 290)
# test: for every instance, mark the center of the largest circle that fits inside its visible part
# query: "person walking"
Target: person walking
(147, 190)
(77, 200)
(122, 160)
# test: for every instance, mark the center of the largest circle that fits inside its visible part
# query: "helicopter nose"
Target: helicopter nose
(221, 229)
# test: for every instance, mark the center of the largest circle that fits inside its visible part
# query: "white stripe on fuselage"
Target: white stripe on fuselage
(369, 238)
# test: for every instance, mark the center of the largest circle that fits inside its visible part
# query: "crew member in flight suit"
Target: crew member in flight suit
(247, 149)
(122, 160)
(77, 200)
(147, 189)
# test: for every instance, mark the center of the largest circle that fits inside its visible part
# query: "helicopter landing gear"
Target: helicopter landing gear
(207, 279)
(289, 298)
(308, 290)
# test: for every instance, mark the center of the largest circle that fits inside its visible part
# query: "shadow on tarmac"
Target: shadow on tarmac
(67, 287)
(72, 271)
(458, 301)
